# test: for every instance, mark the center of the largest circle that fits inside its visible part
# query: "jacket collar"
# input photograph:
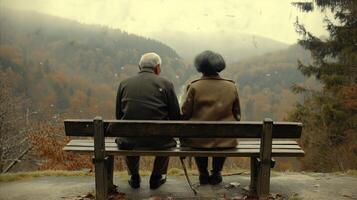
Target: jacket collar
(215, 77)
(147, 69)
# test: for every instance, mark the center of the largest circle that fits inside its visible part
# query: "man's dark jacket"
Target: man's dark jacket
(146, 96)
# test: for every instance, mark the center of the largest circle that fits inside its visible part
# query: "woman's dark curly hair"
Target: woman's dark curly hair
(209, 63)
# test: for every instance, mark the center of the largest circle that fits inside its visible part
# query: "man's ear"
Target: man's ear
(157, 69)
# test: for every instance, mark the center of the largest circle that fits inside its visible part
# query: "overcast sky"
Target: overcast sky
(269, 18)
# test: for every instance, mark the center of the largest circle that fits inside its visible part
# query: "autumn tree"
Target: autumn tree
(13, 140)
(329, 114)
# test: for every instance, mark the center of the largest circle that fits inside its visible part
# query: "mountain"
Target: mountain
(233, 46)
(278, 67)
(67, 66)
(265, 82)
(79, 48)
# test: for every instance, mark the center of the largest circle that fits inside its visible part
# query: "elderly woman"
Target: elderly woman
(210, 98)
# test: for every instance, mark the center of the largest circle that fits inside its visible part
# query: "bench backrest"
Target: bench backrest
(194, 129)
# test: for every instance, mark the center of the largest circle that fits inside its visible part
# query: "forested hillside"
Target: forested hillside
(265, 82)
(73, 67)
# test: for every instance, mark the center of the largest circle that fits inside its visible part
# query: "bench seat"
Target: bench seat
(250, 148)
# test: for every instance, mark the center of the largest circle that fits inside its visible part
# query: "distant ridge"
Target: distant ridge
(233, 46)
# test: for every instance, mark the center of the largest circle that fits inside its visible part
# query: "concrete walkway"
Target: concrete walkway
(290, 185)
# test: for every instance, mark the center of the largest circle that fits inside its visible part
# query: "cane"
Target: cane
(186, 174)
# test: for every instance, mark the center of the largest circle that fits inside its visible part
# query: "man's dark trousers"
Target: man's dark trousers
(161, 164)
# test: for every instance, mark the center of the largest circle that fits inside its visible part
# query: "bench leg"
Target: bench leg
(253, 176)
(263, 186)
(101, 172)
(265, 162)
(110, 168)
(101, 180)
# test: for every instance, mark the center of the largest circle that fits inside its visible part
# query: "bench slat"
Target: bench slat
(193, 129)
(185, 152)
(241, 142)
(245, 146)
(281, 142)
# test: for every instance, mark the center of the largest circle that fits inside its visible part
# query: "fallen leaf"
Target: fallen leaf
(89, 195)
(246, 188)
(238, 197)
(346, 194)
(232, 185)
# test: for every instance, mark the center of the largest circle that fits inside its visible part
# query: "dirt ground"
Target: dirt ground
(290, 185)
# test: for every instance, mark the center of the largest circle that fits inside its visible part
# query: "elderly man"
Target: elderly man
(147, 96)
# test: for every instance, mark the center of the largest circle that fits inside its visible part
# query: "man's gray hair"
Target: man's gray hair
(150, 60)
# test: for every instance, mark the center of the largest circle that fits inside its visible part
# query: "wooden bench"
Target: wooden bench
(272, 139)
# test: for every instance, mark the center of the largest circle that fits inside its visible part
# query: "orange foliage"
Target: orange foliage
(39, 55)
(60, 77)
(350, 96)
(11, 53)
(48, 141)
(77, 100)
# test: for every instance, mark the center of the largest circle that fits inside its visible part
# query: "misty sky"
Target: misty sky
(269, 18)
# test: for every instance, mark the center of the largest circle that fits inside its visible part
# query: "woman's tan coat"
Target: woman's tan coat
(211, 99)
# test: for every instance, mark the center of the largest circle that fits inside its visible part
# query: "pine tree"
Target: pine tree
(329, 115)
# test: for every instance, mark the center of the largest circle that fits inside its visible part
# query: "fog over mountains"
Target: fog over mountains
(233, 46)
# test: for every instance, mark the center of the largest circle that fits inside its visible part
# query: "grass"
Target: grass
(25, 175)
(7, 177)
(351, 172)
